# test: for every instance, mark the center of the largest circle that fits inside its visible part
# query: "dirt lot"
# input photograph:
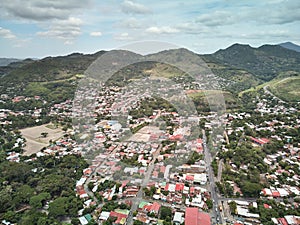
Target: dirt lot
(35, 142)
(144, 134)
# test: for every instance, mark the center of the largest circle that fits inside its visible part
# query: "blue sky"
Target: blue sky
(35, 28)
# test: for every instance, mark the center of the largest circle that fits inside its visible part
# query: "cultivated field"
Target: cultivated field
(34, 140)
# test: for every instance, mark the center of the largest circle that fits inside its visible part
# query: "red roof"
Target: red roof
(275, 194)
(188, 177)
(266, 206)
(155, 207)
(260, 141)
(194, 217)
(204, 218)
(162, 169)
(192, 190)
(199, 140)
(167, 187)
(176, 137)
(191, 216)
(147, 208)
(119, 216)
(124, 183)
(155, 174)
(282, 221)
(179, 187)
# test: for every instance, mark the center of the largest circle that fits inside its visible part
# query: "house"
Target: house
(260, 141)
(155, 208)
(178, 218)
(194, 217)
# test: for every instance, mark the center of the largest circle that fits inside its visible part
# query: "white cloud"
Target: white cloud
(265, 13)
(217, 18)
(123, 37)
(41, 10)
(134, 8)
(66, 30)
(131, 23)
(162, 30)
(5, 33)
(96, 34)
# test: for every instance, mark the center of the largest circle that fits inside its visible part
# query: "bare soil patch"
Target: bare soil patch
(35, 141)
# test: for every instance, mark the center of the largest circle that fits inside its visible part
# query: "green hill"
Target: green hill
(287, 89)
(18, 76)
(291, 46)
(265, 62)
(239, 67)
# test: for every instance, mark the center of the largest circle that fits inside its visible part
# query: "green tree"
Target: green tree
(37, 200)
(58, 207)
(165, 213)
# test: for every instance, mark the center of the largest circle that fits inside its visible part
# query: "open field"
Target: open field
(35, 142)
(287, 89)
(143, 135)
(214, 97)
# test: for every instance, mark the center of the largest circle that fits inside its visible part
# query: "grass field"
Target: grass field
(35, 142)
(215, 97)
(287, 89)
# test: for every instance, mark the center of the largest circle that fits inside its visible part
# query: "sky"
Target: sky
(40, 28)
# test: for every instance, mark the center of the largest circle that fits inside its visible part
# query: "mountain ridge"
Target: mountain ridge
(241, 64)
(291, 46)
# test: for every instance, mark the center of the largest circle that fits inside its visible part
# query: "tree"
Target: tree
(58, 207)
(165, 213)
(37, 200)
(44, 134)
(75, 221)
(250, 189)
(5, 200)
(23, 194)
(209, 203)
(232, 206)
(137, 222)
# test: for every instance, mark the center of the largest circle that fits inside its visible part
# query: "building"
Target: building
(194, 217)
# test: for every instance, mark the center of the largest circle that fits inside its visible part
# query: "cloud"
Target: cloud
(131, 23)
(123, 37)
(217, 18)
(7, 34)
(191, 28)
(265, 13)
(162, 30)
(281, 13)
(37, 10)
(66, 30)
(96, 34)
(134, 8)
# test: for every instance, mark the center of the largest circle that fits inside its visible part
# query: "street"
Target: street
(214, 196)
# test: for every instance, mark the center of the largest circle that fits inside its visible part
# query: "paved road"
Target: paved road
(220, 168)
(208, 159)
(87, 190)
(270, 93)
(139, 197)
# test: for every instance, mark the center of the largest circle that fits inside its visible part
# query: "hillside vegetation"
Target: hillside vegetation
(265, 62)
(287, 89)
(239, 68)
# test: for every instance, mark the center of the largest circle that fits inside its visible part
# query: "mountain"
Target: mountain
(239, 67)
(291, 46)
(6, 61)
(265, 62)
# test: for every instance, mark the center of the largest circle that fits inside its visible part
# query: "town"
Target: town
(160, 167)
